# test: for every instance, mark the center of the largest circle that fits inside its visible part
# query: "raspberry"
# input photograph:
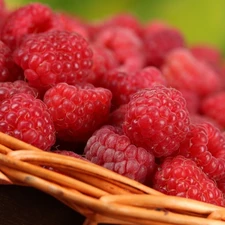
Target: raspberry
(123, 85)
(213, 107)
(77, 111)
(192, 99)
(70, 23)
(181, 177)
(183, 71)
(124, 20)
(157, 119)
(9, 71)
(115, 152)
(8, 89)
(27, 118)
(116, 117)
(28, 19)
(207, 53)
(103, 61)
(126, 45)
(205, 145)
(159, 39)
(53, 57)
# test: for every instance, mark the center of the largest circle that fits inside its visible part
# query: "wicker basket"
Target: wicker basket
(101, 195)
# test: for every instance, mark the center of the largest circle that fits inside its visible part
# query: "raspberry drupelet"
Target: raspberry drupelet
(157, 119)
(110, 148)
(53, 57)
(181, 177)
(27, 118)
(77, 111)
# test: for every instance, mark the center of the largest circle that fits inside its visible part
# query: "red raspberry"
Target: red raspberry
(116, 117)
(77, 111)
(123, 85)
(124, 20)
(114, 151)
(27, 118)
(181, 177)
(28, 19)
(103, 61)
(159, 40)
(213, 107)
(126, 45)
(207, 53)
(205, 145)
(192, 99)
(9, 71)
(183, 71)
(157, 119)
(70, 23)
(53, 57)
(8, 89)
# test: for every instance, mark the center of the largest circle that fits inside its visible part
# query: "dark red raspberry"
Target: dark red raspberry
(126, 45)
(213, 106)
(157, 119)
(115, 152)
(207, 53)
(123, 85)
(77, 111)
(116, 117)
(27, 19)
(104, 60)
(183, 71)
(8, 89)
(53, 57)
(9, 71)
(159, 40)
(27, 118)
(205, 145)
(181, 177)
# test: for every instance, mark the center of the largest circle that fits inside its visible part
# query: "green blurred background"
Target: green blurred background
(201, 21)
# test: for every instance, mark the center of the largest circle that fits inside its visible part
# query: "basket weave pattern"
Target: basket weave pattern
(101, 195)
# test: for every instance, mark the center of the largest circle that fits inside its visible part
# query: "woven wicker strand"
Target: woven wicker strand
(101, 195)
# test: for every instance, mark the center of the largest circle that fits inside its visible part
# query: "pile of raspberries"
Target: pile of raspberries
(134, 98)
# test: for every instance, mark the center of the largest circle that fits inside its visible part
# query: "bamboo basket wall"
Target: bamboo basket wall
(99, 194)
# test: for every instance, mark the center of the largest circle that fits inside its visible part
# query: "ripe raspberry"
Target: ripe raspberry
(205, 145)
(72, 24)
(114, 151)
(123, 85)
(28, 19)
(124, 20)
(159, 41)
(8, 89)
(183, 71)
(157, 119)
(192, 99)
(27, 118)
(207, 53)
(103, 61)
(213, 107)
(77, 111)
(116, 117)
(126, 45)
(53, 57)
(9, 71)
(181, 177)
